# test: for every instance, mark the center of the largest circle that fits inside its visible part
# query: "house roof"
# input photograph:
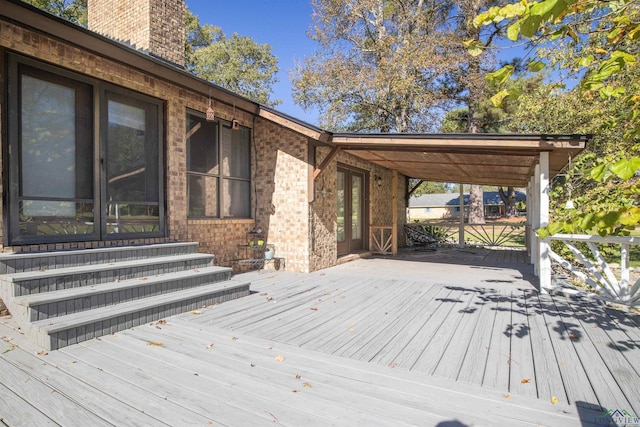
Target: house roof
(490, 159)
(453, 199)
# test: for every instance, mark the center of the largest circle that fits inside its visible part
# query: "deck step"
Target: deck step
(36, 261)
(46, 305)
(66, 297)
(77, 327)
(31, 282)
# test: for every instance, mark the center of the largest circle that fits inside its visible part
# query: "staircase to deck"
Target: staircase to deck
(62, 298)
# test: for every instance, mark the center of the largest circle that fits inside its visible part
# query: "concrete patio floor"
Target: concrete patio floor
(449, 338)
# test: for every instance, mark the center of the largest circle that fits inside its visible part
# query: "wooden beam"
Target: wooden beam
(293, 125)
(332, 154)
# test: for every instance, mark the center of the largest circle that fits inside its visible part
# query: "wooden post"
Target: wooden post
(461, 218)
(394, 220)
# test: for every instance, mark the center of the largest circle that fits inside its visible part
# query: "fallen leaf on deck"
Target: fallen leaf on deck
(298, 377)
(525, 380)
(306, 384)
(41, 353)
(73, 361)
(195, 270)
(269, 298)
(554, 400)
(327, 293)
(156, 344)
(393, 364)
(279, 358)
(210, 345)
(196, 312)
(506, 396)
(13, 347)
(572, 337)
(143, 278)
(314, 308)
(263, 294)
(234, 339)
(351, 329)
(294, 391)
(270, 277)
(162, 322)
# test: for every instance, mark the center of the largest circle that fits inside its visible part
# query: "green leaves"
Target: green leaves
(499, 76)
(624, 169)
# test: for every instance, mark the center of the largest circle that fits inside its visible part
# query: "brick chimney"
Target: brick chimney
(153, 26)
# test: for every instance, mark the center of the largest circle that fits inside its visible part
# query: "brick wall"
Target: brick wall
(303, 232)
(153, 26)
(281, 172)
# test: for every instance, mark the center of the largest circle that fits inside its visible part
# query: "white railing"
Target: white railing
(596, 272)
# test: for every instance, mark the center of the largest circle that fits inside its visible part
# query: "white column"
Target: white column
(544, 268)
(461, 218)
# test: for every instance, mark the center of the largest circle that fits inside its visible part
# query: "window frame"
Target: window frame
(220, 176)
(94, 133)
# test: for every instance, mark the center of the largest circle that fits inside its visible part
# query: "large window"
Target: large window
(218, 169)
(88, 158)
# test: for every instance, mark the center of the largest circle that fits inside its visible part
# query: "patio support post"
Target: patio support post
(542, 220)
(461, 218)
(529, 228)
(394, 214)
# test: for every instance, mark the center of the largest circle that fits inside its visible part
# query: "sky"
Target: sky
(282, 24)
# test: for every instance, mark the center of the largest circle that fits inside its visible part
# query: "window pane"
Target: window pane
(132, 152)
(39, 218)
(48, 142)
(237, 199)
(356, 197)
(236, 159)
(132, 218)
(202, 145)
(203, 196)
(341, 205)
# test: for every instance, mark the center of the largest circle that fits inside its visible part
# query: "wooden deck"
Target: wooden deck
(422, 339)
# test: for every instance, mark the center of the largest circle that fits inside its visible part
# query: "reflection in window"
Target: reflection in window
(218, 188)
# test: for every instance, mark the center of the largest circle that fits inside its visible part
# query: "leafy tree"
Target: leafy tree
(237, 63)
(431, 187)
(596, 42)
(72, 10)
(380, 64)
(494, 119)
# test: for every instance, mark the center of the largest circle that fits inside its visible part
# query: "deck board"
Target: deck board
(475, 359)
(392, 342)
(435, 351)
(617, 360)
(575, 379)
(548, 378)
(498, 368)
(522, 378)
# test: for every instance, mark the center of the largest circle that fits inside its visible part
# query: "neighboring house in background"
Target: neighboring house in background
(447, 205)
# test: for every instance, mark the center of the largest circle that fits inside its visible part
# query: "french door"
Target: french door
(351, 210)
(85, 159)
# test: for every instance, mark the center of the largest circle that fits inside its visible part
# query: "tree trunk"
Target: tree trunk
(476, 204)
(509, 200)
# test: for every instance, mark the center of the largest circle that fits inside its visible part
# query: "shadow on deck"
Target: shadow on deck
(419, 339)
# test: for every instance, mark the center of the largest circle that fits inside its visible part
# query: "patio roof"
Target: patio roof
(487, 159)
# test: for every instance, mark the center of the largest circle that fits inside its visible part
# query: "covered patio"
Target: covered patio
(452, 337)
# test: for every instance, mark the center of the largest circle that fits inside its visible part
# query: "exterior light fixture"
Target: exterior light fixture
(211, 114)
(378, 180)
